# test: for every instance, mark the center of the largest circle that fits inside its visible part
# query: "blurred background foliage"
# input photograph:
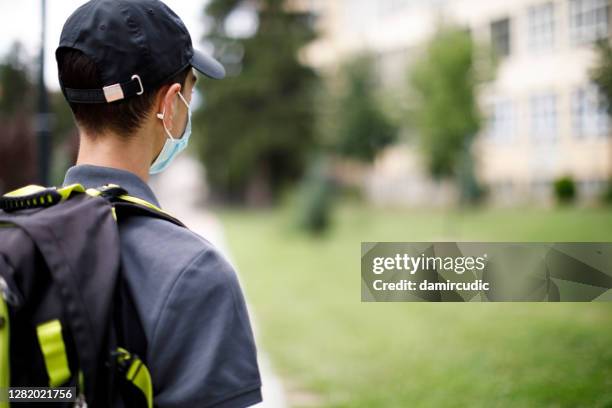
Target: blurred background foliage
(18, 153)
(259, 125)
(447, 116)
(363, 129)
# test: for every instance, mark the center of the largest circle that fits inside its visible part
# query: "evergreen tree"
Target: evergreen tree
(257, 124)
(16, 89)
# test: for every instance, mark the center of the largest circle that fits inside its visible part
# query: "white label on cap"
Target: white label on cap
(113, 92)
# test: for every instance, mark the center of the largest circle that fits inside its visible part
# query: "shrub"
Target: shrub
(565, 189)
(316, 199)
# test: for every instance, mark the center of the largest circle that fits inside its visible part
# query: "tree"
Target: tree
(601, 74)
(447, 117)
(363, 129)
(257, 124)
(16, 89)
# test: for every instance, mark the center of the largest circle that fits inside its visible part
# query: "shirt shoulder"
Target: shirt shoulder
(201, 349)
(202, 352)
(154, 252)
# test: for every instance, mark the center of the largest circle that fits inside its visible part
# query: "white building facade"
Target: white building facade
(544, 119)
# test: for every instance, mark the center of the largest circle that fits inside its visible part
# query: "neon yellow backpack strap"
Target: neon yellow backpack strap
(136, 200)
(25, 191)
(137, 373)
(120, 194)
(34, 196)
(5, 380)
(67, 191)
(54, 352)
(28, 197)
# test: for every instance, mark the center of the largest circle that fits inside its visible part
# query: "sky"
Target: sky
(21, 20)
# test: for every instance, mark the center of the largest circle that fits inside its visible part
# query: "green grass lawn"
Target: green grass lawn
(328, 346)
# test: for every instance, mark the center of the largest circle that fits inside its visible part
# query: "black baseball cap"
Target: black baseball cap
(135, 44)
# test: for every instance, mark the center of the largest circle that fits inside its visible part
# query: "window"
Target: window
(589, 20)
(500, 37)
(541, 188)
(591, 188)
(589, 114)
(542, 27)
(544, 117)
(502, 121)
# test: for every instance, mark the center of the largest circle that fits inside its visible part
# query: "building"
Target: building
(544, 116)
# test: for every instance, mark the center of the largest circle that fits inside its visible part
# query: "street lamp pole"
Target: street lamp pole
(43, 117)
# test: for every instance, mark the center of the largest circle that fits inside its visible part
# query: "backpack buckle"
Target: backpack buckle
(122, 358)
(111, 191)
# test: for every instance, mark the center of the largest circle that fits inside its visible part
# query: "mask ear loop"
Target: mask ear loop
(184, 100)
(161, 116)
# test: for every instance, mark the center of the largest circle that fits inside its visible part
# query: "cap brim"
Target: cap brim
(207, 65)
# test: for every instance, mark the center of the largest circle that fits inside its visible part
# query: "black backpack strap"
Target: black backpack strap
(125, 209)
(127, 327)
(132, 380)
(128, 205)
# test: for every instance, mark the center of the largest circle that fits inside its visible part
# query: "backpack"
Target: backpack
(67, 318)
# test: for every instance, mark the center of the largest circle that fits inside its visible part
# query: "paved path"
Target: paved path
(171, 187)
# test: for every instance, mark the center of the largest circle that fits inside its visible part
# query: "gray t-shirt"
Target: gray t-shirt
(200, 347)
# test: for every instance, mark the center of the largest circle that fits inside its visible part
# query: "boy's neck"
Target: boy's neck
(111, 150)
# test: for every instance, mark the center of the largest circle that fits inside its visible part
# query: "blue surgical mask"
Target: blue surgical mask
(173, 146)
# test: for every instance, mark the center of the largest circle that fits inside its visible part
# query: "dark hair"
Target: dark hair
(123, 117)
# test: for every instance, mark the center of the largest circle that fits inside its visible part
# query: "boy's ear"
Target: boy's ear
(166, 98)
(159, 99)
